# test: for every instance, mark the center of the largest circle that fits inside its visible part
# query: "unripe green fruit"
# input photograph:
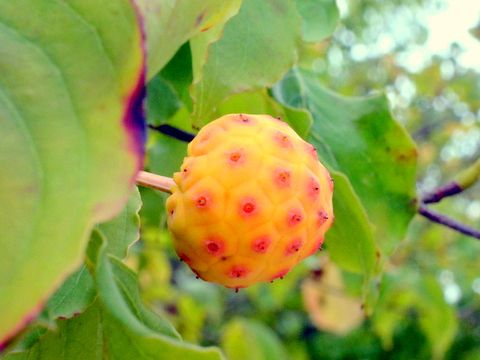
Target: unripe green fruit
(251, 200)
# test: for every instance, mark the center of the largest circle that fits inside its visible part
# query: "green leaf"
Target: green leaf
(200, 43)
(72, 138)
(73, 297)
(129, 320)
(116, 326)
(438, 319)
(78, 291)
(168, 91)
(124, 229)
(162, 101)
(319, 18)
(75, 339)
(170, 23)
(258, 102)
(248, 339)
(257, 47)
(350, 241)
(364, 142)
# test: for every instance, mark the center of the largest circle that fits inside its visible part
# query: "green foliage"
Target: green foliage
(63, 99)
(319, 18)
(169, 23)
(256, 48)
(251, 340)
(72, 142)
(351, 244)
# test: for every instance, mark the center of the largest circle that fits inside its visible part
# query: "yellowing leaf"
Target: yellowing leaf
(330, 308)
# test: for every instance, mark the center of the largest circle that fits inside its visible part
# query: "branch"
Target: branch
(154, 181)
(173, 132)
(467, 178)
(442, 192)
(448, 222)
(464, 180)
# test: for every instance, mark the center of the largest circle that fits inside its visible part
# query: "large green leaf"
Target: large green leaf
(350, 241)
(363, 141)
(257, 47)
(248, 339)
(170, 23)
(78, 291)
(72, 137)
(96, 334)
(319, 18)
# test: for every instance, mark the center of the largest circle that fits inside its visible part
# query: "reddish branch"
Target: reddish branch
(466, 179)
(448, 222)
(442, 192)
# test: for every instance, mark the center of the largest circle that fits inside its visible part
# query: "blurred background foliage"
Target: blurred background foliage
(428, 302)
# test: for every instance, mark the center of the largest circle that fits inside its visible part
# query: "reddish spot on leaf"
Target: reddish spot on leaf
(199, 19)
(261, 244)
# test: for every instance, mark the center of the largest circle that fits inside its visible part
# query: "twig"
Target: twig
(464, 180)
(442, 192)
(448, 222)
(173, 132)
(155, 181)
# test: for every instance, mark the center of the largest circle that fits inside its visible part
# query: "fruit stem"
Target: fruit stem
(155, 181)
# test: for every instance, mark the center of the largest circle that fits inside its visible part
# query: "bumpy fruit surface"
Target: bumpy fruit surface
(251, 200)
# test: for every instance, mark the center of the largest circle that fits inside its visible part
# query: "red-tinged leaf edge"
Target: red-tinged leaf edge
(134, 119)
(134, 122)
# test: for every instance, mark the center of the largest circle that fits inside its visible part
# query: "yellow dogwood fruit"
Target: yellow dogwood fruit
(251, 200)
